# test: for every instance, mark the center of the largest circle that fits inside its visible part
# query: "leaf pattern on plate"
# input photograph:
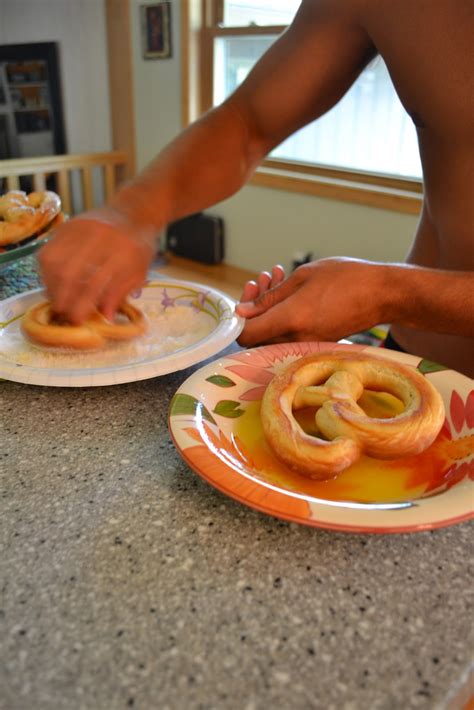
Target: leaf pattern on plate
(186, 404)
(426, 366)
(220, 381)
(228, 408)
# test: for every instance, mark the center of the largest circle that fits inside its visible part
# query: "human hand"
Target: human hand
(265, 281)
(94, 261)
(327, 300)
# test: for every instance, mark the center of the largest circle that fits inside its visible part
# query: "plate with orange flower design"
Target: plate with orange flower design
(214, 420)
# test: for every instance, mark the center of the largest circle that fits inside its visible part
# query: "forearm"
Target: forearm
(205, 164)
(432, 300)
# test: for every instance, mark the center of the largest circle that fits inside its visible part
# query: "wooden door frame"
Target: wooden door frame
(118, 19)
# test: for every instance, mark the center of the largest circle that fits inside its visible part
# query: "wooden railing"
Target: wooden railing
(40, 170)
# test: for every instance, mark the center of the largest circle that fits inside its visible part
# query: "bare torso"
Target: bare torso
(427, 46)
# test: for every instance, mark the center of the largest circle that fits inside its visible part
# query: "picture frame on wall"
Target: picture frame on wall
(156, 30)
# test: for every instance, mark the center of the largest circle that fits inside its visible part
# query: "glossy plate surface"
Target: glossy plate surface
(188, 323)
(215, 424)
(9, 256)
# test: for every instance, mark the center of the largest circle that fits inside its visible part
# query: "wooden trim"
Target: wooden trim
(250, 30)
(119, 51)
(371, 195)
(215, 13)
(185, 67)
(109, 181)
(357, 176)
(64, 189)
(192, 22)
(87, 188)
(206, 76)
(13, 182)
(39, 182)
(57, 163)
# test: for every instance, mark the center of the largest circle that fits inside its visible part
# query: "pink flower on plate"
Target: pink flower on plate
(167, 301)
(460, 412)
(260, 365)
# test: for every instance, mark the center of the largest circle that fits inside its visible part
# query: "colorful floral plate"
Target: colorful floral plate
(215, 424)
(187, 324)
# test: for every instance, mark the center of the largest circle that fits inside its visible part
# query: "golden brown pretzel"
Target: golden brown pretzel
(22, 215)
(41, 327)
(334, 381)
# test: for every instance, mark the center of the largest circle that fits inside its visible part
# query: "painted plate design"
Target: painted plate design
(215, 424)
(188, 323)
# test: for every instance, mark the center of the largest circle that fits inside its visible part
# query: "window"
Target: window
(364, 148)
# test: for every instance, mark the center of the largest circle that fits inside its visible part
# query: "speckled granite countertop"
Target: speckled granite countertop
(126, 581)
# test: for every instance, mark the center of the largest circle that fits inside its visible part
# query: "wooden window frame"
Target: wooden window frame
(201, 23)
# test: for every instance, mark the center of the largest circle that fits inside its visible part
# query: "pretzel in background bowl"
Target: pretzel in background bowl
(333, 382)
(42, 327)
(23, 215)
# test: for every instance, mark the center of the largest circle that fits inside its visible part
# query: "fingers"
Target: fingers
(250, 292)
(117, 292)
(91, 264)
(271, 326)
(256, 289)
(265, 281)
(269, 299)
(81, 281)
(278, 275)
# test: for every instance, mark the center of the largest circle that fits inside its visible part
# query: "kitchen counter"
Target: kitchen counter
(128, 582)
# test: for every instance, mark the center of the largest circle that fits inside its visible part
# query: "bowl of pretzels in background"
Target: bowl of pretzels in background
(26, 221)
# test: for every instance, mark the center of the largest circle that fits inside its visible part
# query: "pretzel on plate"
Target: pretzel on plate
(333, 382)
(41, 327)
(22, 215)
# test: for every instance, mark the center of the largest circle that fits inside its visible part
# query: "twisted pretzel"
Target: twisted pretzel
(41, 326)
(22, 215)
(334, 382)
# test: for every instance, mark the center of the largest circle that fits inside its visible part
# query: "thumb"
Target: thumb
(267, 300)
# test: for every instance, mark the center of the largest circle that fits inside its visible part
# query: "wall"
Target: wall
(157, 90)
(263, 226)
(79, 27)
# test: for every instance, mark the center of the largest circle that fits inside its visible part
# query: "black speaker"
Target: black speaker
(199, 237)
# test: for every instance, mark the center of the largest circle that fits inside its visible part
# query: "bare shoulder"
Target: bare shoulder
(305, 72)
(345, 13)
(344, 10)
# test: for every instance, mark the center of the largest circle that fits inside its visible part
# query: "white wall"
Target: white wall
(79, 27)
(263, 226)
(266, 226)
(157, 90)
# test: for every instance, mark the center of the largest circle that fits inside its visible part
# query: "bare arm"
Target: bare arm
(305, 72)
(98, 262)
(332, 298)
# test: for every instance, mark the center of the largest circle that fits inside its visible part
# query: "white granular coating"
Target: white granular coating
(169, 330)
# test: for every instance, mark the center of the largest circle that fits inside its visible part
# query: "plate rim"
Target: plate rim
(353, 528)
(323, 525)
(131, 372)
(22, 250)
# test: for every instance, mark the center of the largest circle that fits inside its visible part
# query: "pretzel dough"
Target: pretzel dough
(22, 215)
(333, 382)
(41, 327)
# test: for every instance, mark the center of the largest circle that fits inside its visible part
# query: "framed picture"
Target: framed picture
(156, 30)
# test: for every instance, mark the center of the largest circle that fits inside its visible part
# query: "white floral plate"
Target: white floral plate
(215, 424)
(188, 323)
